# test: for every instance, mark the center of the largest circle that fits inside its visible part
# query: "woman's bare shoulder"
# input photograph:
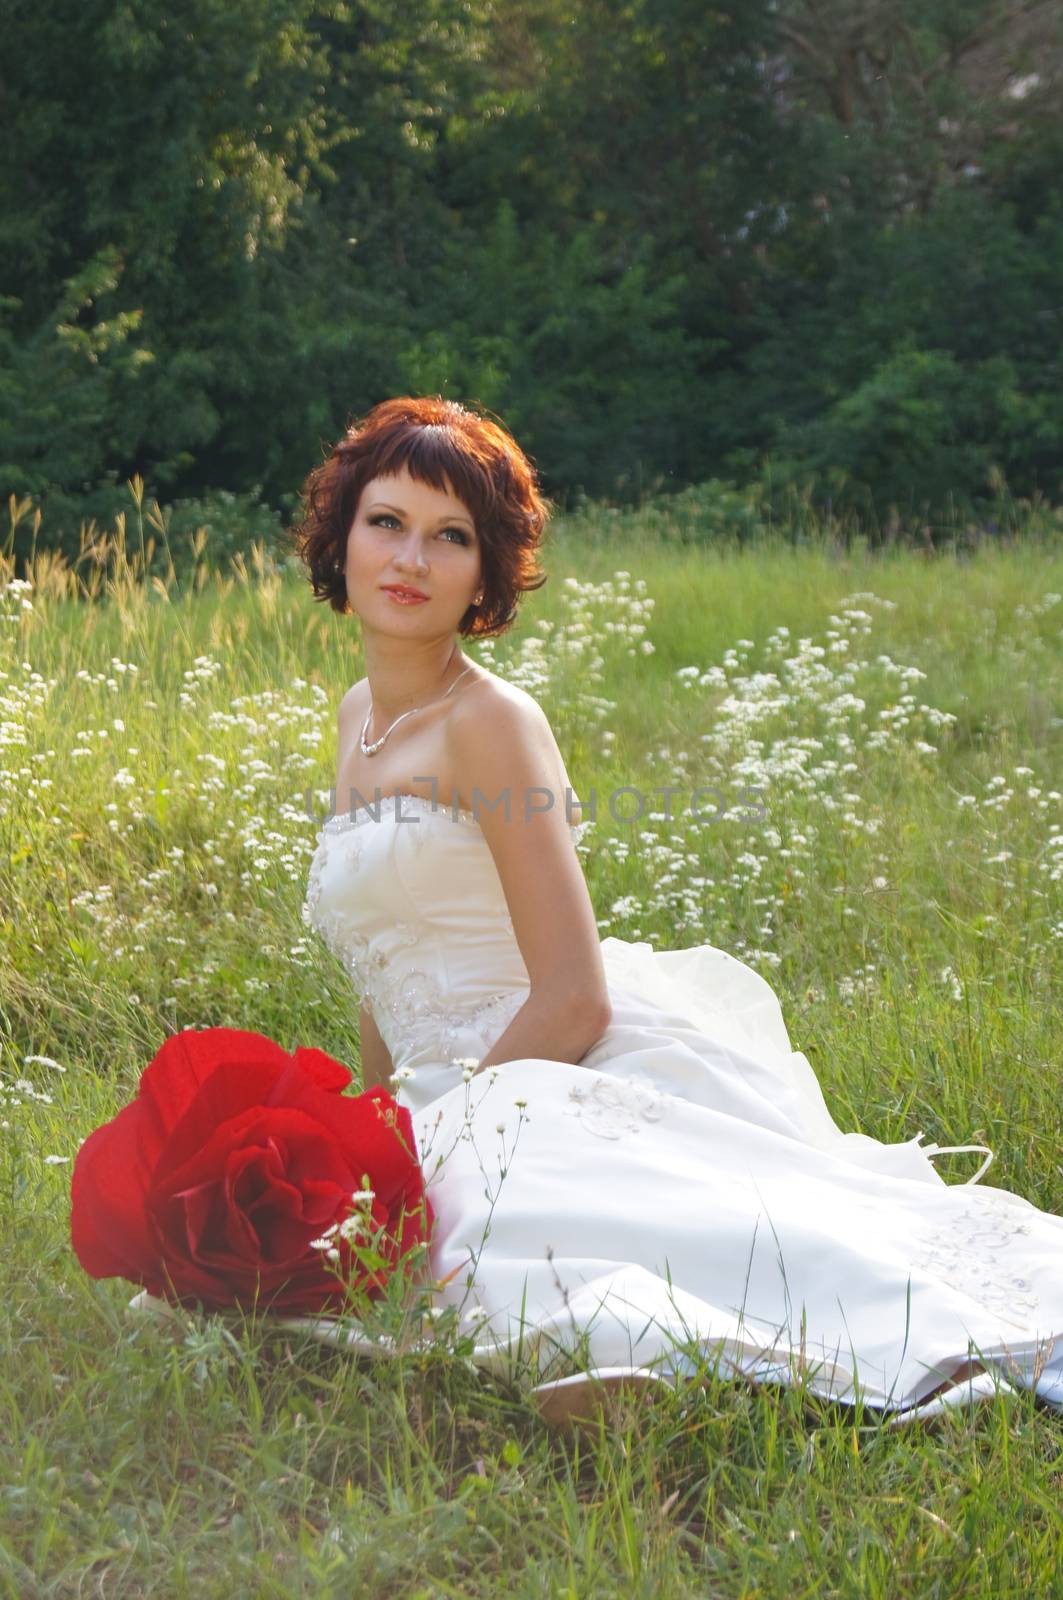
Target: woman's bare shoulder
(501, 724)
(496, 697)
(354, 700)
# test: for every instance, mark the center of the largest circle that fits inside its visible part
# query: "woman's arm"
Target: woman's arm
(547, 1031)
(504, 750)
(377, 1066)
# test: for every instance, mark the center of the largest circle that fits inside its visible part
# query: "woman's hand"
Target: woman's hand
(377, 1065)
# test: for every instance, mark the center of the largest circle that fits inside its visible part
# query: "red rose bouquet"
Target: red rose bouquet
(242, 1175)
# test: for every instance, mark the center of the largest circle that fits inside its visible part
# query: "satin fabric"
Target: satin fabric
(682, 1195)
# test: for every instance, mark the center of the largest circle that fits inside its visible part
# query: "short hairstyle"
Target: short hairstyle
(435, 440)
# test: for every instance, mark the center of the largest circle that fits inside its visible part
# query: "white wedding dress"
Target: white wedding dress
(681, 1193)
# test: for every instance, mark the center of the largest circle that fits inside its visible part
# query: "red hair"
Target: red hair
(435, 440)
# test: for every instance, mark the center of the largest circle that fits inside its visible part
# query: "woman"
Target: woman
(664, 1181)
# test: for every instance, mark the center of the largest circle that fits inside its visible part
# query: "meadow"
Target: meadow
(166, 755)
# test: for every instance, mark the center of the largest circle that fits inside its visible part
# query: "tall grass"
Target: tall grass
(885, 734)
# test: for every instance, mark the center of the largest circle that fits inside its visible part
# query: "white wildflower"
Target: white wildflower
(45, 1061)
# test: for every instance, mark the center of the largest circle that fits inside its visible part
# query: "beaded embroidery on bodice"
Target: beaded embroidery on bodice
(424, 934)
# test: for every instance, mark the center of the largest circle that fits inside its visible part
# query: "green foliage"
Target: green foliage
(715, 512)
(920, 424)
(820, 243)
(67, 389)
(226, 524)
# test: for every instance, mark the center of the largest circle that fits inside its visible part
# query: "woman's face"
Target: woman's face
(407, 533)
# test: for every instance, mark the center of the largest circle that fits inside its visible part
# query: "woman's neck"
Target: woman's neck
(402, 683)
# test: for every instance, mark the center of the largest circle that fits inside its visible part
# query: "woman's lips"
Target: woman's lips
(405, 599)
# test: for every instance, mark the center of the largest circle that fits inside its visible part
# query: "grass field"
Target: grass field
(162, 750)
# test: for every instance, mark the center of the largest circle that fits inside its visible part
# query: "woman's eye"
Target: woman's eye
(387, 517)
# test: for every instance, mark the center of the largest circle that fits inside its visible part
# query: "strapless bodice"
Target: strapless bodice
(406, 894)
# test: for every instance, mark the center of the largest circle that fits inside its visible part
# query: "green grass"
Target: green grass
(908, 911)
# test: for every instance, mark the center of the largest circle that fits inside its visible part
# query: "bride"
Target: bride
(633, 1173)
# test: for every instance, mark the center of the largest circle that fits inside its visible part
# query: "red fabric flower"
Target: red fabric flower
(235, 1155)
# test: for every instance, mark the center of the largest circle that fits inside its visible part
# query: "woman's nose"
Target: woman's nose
(411, 555)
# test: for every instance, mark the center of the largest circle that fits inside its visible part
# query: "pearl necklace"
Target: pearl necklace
(371, 749)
